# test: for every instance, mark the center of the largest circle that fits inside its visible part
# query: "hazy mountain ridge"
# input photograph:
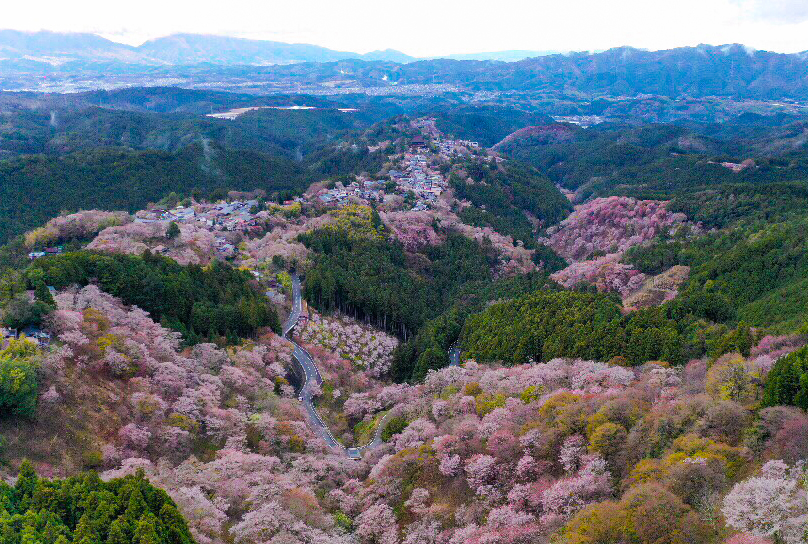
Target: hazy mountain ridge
(185, 49)
(174, 50)
(510, 55)
(701, 71)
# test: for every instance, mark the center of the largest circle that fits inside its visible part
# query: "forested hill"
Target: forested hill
(35, 188)
(130, 123)
(85, 508)
(486, 124)
(211, 303)
(663, 161)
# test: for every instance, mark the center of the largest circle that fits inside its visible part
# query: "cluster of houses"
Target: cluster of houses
(413, 174)
(583, 121)
(417, 177)
(219, 218)
(31, 333)
(449, 148)
(235, 216)
(363, 189)
(737, 167)
(47, 251)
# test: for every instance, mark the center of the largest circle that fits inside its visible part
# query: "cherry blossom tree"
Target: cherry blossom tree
(772, 504)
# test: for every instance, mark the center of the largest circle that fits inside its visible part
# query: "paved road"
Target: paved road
(297, 306)
(312, 375)
(454, 357)
(377, 438)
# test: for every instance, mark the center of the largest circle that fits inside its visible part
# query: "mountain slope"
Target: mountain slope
(62, 46)
(181, 49)
(702, 71)
(174, 50)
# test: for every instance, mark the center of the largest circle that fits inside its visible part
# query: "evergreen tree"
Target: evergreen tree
(85, 510)
(146, 531)
(173, 230)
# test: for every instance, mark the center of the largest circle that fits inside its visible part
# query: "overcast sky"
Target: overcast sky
(434, 27)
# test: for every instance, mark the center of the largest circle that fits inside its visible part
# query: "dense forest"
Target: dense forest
(169, 121)
(787, 382)
(665, 160)
(361, 271)
(545, 325)
(756, 273)
(34, 188)
(201, 303)
(502, 195)
(83, 508)
(428, 349)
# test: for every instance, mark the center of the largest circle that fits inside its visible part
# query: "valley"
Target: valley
(400, 319)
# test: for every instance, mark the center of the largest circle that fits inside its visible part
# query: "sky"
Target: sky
(434, 27)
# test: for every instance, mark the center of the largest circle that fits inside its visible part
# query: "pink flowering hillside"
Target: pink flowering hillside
(367, 348)
(595, 236)
(475, 454)
(555, 451)
(194, 245)
(415, 230)
(74, 226)
(220, 429)
(610, 225)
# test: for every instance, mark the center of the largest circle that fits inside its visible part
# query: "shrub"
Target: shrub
(395, 426)
(18, 383)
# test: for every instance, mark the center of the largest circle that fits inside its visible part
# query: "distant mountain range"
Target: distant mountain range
(26, 49)
(57, 49)
(705, 70)
(511, 55)
(685, 72)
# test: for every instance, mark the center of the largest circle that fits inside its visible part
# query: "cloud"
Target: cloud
(775, 11)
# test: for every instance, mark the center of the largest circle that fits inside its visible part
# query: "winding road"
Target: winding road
(312, 375)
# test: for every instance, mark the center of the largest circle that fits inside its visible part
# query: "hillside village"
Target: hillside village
(415, 182)
(416, 173)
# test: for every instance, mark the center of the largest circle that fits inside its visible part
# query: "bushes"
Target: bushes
(21, 312)
(18, 387)
(648, 513)
(85, 509)
(18, 380)
(787, 382)
(395, 426)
